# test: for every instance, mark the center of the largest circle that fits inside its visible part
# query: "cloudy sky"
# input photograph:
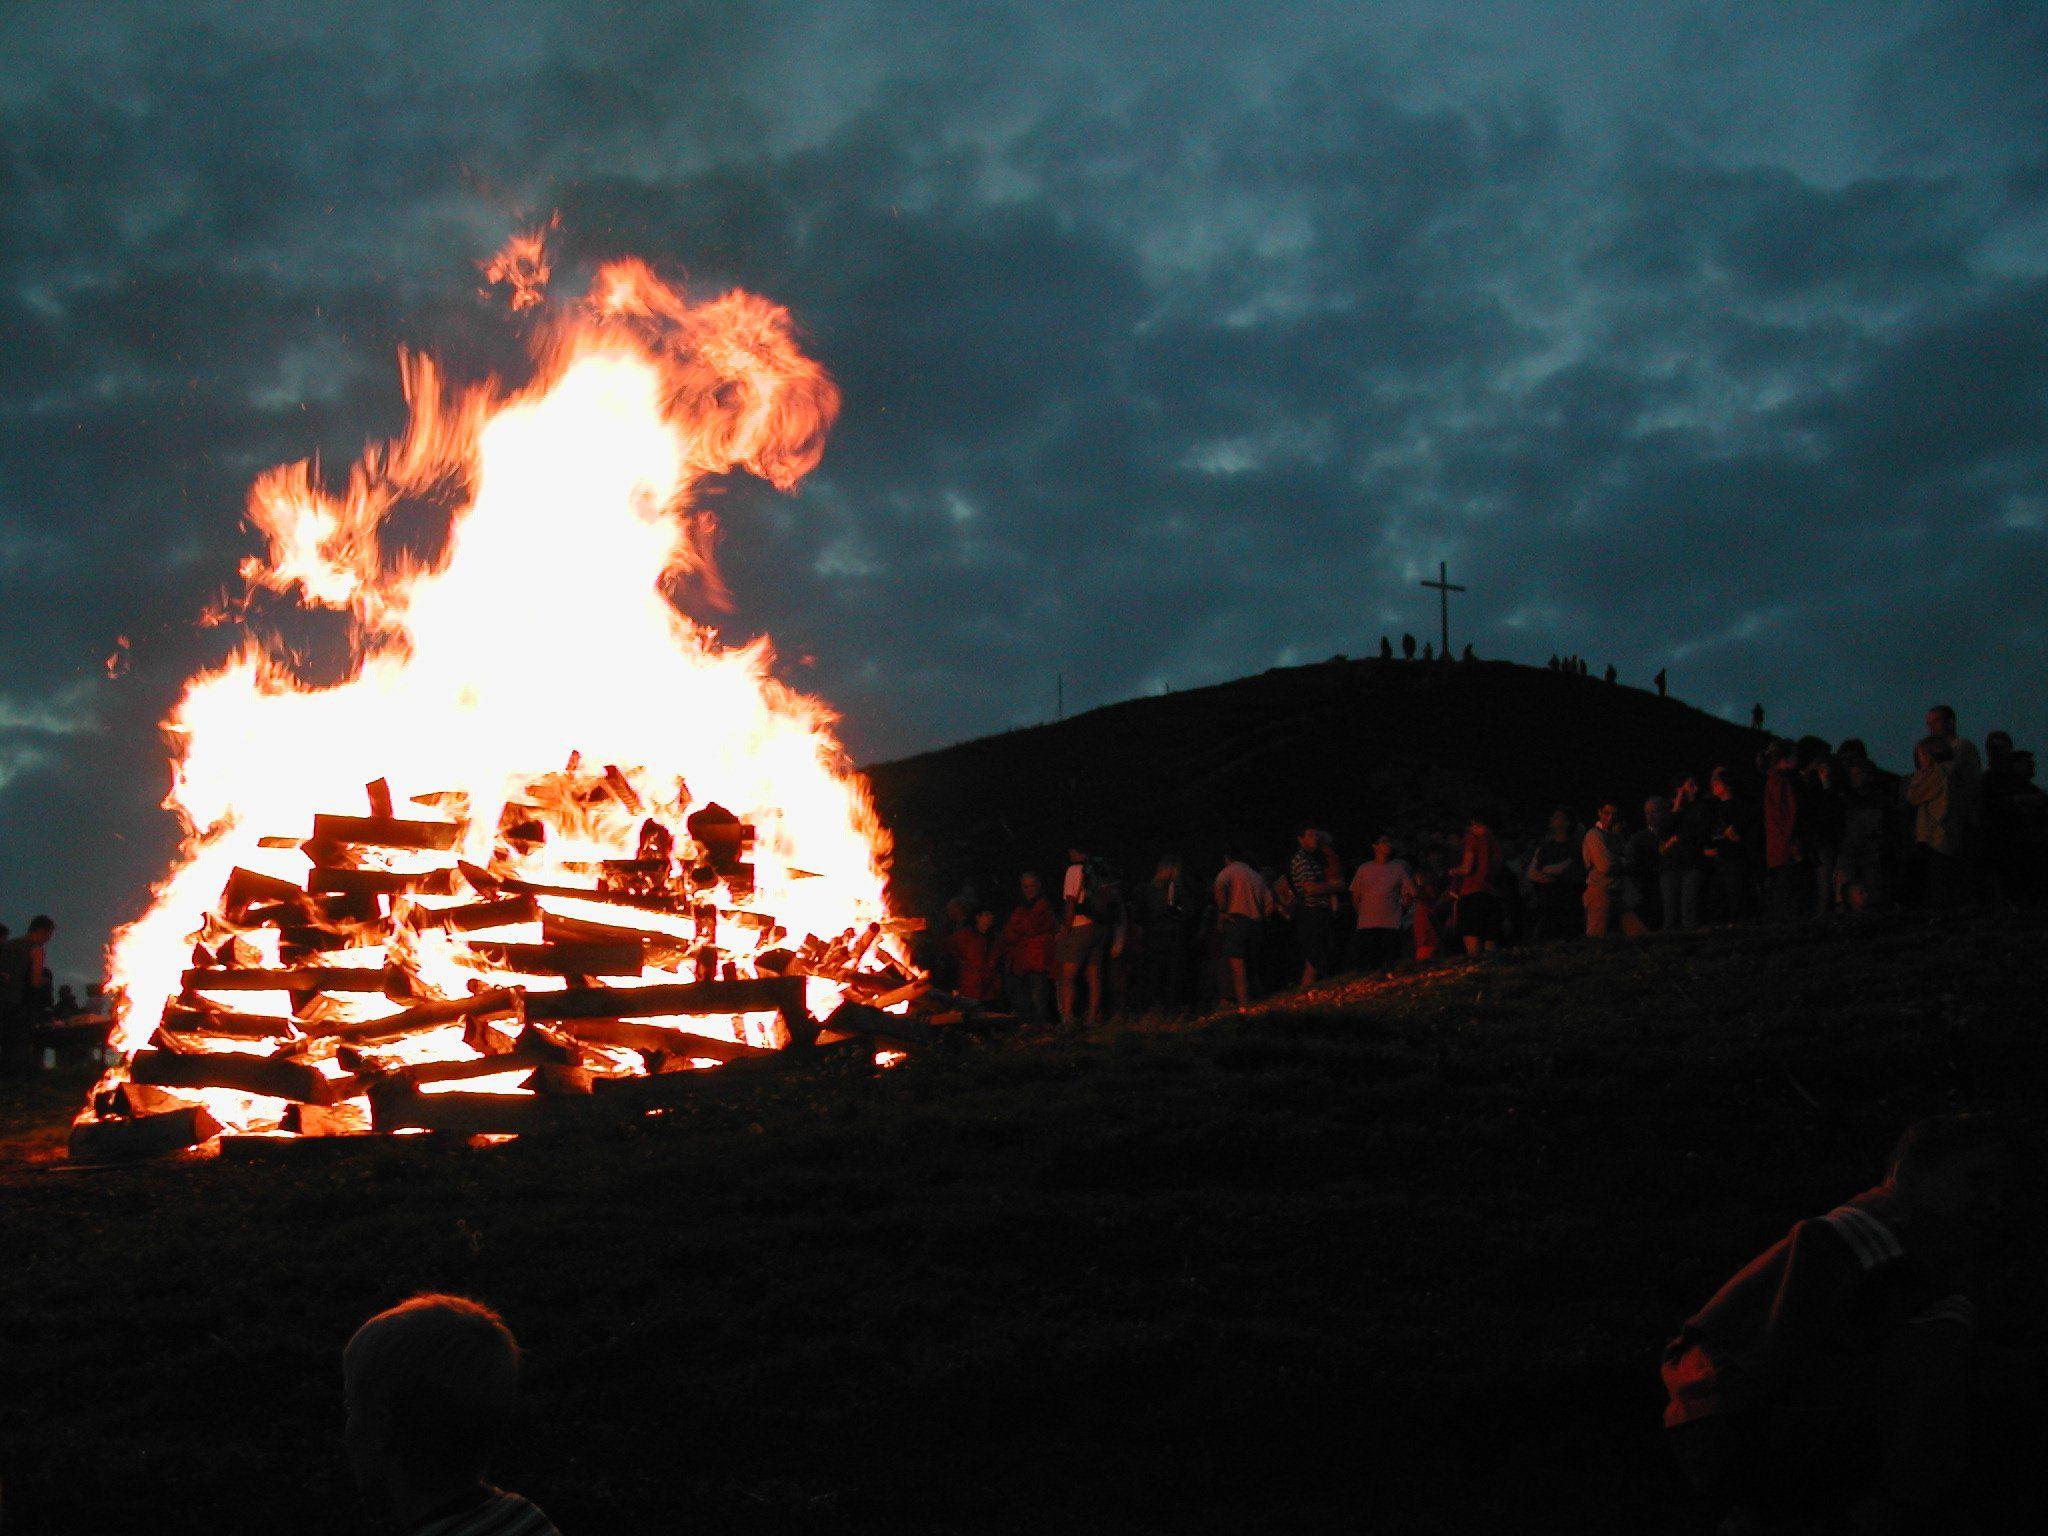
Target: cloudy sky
(1178, 340)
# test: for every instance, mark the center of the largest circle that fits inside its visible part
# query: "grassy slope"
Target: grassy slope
(1360, 745)
(1405, 1246)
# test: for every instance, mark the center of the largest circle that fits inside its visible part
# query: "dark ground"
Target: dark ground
(1182, 772)
(1391, 1255)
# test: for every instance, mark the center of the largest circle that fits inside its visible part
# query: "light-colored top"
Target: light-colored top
(1241, 891)
(1072, 889)
(1601, 853)
(1382, 893)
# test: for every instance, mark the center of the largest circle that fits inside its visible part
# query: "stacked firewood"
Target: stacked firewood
(665, 969)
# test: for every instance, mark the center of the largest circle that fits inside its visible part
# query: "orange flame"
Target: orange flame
(523, 266)
(539, 631)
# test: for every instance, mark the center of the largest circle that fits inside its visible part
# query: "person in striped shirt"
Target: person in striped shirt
(1837, 1381)
(430, 1386)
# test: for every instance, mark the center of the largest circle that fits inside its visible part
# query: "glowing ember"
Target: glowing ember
(574, 793)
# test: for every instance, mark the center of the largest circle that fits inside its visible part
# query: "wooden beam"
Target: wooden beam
(471, 916)
(272, 1077)
(635, 1035)
(415, 1020)
(381, 882)
(562, 959)
(467, 1114)
(245, 888)
(783, 994)
(303, 978)
(96, 1140)
(181, 1020)
(387, 832)
(851, 1018)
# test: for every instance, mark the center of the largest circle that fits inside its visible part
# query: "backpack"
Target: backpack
(1100, 898)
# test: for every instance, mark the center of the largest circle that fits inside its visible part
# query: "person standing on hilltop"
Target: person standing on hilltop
(1386, 649)
(1661, 681)
(1407, 647)
(1756, 717)
(1475, 883)
(1243, 902)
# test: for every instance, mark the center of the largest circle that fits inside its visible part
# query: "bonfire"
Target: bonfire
(545, 841)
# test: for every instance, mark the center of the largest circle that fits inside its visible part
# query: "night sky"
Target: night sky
(1178, 340)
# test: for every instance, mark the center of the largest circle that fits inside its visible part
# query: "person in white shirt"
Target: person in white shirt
(1383, 892)
(1243, 899)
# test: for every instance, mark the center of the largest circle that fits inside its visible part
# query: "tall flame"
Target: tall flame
(539, 630)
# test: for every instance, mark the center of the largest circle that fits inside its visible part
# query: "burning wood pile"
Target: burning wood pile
(397, 986)
(514, 945)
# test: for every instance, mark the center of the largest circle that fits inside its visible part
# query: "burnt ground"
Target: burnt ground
(1394, 1255)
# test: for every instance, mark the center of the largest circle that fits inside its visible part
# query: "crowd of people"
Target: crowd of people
(1807, 828)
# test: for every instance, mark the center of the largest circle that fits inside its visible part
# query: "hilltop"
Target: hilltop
(1360, 746)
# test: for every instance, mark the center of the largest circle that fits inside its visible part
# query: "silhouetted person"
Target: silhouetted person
(1966, 796)
(1681, 873)
(1838, 1382)
(1555, 665)
(1428, 651)
(1786, 834)
(1938, 873)
(24, 992)
(1386, 649)
(1243, 903)
(1612, 675)
(1867, 822)
(1475, 882)
(1556, 878)
(1756, 717)
(1661, 681)
(431, 1386)
(1407, 647)
(1734, 847)
(1166, 908)
(1467, 654)
(1318, 881)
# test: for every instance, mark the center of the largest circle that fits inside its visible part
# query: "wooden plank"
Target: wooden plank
(562, 959)
(635, 1035)
(851, 1018)
(382, 882)
(465, 1114)
(474, 915)
(387, 832)
(181, 1020)
(657, 948)
(414, 1020)
(484, 880)
(304, 978)
(783, 994)
(96, 1140)
(325, 1120)
(245, 888)
(379, 792)
(273, 1077)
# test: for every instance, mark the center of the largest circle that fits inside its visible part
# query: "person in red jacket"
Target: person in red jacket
(1830, 1384)
(1025, 950)
(973, 947)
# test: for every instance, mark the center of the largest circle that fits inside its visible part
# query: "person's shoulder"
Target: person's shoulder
(503, 1514)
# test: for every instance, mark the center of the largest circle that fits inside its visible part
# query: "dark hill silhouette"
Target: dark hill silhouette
(1355, 746)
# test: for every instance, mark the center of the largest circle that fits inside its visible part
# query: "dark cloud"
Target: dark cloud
(1171, 348)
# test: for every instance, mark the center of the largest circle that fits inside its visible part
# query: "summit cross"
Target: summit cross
(1444, 588)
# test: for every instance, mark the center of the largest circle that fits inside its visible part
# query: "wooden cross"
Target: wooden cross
(1444, 588)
